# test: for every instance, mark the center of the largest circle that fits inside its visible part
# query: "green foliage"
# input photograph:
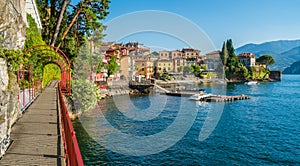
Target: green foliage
(85, 63)
(191, 59)
(257, 73)
(196, 69)
(85, 95)
(33, 37)
(87, 23)
(51, 72)
(165, 76)
(266, 60)
(224, 54)
(113, 66)
(13, 57)
(154, 54)
(233, 68)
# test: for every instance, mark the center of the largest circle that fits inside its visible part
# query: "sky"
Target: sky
(243, 21)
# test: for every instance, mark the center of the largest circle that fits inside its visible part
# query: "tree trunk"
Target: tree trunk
(57, 26)
(69, 27)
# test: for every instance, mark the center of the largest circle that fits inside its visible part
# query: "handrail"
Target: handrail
(72, 152)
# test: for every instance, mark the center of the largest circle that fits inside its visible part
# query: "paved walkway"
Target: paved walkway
(36, 136)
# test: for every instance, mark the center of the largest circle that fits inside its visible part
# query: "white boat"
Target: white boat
(252, 83)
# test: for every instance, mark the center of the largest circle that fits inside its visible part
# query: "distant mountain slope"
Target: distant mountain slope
(274, 46)
(284, 52)
(293, 69)
(280, 62)
(293, 53)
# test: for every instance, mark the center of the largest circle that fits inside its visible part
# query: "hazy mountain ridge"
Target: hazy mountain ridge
(284, 52)
(293, 69)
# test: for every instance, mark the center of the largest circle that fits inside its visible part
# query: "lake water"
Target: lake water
(264, 130)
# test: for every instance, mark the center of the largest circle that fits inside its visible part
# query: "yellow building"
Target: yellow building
(176, 54)
(145, 67)
(164, 55)
(164, 66)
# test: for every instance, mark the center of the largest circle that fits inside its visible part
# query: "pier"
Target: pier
(36, 137)
(221, 98)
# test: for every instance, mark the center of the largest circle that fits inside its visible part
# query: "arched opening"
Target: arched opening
(51, 71)
(39, 56)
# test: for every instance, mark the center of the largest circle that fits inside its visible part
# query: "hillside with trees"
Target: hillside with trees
(284, 52)
(236, 71)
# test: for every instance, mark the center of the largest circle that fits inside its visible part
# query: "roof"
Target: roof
(248, 54)
(214, 53)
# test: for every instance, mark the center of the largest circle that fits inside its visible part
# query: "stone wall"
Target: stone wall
(275, 75)
(12, 24)
(9, 107)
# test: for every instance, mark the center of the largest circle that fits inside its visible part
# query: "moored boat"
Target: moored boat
(251, 83)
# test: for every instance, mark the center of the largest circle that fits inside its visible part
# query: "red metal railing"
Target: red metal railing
(72, 152)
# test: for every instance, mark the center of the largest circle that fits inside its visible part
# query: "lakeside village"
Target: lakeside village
(132, 68)
(136, 63)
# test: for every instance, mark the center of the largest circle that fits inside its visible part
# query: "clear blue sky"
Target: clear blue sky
(244, 21)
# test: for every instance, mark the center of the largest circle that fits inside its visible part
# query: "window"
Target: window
(169, 64)
(142, 69)
(142, 64)
(169, 68)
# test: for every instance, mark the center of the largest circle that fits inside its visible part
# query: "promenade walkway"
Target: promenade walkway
(37, 135)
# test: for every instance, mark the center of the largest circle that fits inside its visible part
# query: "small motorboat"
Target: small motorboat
(251, 83)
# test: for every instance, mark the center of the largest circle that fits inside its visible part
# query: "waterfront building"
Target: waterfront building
(213, 60)
(164, 66)
(247, 59)
(164, 55)
(190, 55)
(145, 67)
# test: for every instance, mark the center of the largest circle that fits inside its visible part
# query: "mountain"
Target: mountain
(293, 69)
(292, 53)
(284, 52)
(274, 46)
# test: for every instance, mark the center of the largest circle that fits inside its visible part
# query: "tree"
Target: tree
(266, 60)
(113, 66)
(58, 23)
(233, 68)
(88, 14)
(69, 26)
(154, 54)
(224, 54)
(195, 69)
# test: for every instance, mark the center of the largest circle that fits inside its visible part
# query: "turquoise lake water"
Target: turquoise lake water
(264, 130)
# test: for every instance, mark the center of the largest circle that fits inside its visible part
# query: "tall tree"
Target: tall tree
(88, 13)
(58, 23)
(113, 65)
(266, 60)
(224, 54)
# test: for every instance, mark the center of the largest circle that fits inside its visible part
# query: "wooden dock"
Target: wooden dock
(36, 137)
(221, 98)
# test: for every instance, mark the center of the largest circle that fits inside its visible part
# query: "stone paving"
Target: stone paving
(36, 137)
